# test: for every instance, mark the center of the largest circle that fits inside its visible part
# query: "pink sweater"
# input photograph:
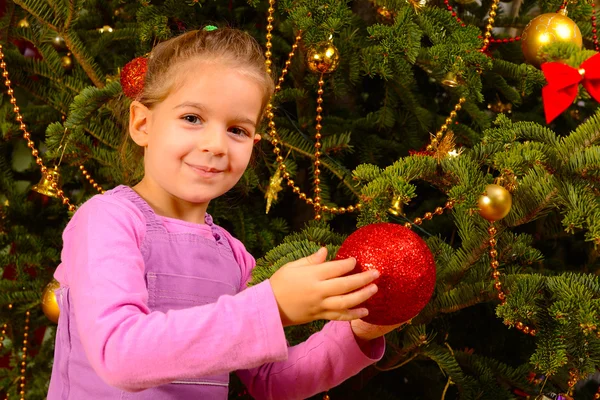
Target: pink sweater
(133, 348)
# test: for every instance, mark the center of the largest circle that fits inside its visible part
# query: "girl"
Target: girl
(153, 295)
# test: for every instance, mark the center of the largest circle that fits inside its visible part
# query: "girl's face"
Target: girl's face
(199, 140)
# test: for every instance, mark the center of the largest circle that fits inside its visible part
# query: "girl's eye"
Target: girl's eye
(194, 119)
(239, 131)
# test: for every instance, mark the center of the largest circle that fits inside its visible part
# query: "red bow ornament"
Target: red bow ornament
(563, 82)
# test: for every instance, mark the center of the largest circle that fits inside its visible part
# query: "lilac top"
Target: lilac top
(158, 308)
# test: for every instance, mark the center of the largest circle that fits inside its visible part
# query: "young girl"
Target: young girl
(153, 298)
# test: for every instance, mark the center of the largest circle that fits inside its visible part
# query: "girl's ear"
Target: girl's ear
(139, 118)
(256, 138)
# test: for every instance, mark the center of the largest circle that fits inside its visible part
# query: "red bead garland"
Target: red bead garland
(449, 8)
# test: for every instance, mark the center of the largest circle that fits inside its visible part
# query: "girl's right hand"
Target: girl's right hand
(310, 289)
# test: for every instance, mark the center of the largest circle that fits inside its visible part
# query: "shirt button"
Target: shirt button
(217, 236)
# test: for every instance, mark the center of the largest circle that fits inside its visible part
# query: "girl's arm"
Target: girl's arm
(325, 360)
(131, 347)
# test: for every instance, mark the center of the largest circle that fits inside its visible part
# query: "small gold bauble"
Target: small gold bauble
(23, 23)
(66, 62)
(323, 58)
(546, 29)
(59, 44)
(495, 203)
(49, 303)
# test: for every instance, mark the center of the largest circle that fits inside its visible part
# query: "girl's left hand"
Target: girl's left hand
(365, 331)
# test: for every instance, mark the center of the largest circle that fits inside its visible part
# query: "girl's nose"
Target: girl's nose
(213, 141)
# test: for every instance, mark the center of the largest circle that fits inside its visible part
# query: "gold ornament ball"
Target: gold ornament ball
(49, 303)
(546, 29)
(66, 62)
(495, 203)
(323, 58)
(59, 44)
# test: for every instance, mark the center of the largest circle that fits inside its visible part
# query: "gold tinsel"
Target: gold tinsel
(273, 189)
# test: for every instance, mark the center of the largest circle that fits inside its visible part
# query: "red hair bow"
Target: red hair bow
(563, 82)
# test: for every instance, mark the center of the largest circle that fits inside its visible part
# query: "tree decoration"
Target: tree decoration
(397, 207)
(500, 107)
(563, 84)
(67, 62)
(273, 189)
(23, 24)
(133, 76)
(445, 147)
(59, 44)
(406, 265)
(323, 58)
(546, 29)
(417, 5)
(49, 302)
(385, 15)
(45, 186)
(27, 135)
(495, 204)
(105, 29)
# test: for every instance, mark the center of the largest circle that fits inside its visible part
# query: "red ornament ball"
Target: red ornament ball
(133, 76)
(406, 266)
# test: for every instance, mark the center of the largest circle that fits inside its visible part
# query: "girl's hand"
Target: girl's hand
(310, 289)
(365, 331)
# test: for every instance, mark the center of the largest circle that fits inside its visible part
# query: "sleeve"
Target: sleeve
(124, 341)
(325, 360)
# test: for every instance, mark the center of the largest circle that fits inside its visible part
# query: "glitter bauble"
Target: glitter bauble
(323, 58)
(406, 265)
(547, 29)
(133, 76)
(49, 303)
(495, 204)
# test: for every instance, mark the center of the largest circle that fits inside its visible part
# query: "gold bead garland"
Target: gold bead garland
(317, 162)
(316, 201)
(4, 326)
(494, 264)
(486, 41)
(91, 180)
(31, 145)
(440, 133)
(490, 25)
(288, 62)
(268, 45)
(24, 356)
(427, 216)
(27, 135)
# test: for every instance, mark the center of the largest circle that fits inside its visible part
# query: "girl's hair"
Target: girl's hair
(225, 46)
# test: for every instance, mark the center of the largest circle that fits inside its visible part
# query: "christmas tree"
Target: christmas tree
(474, 123)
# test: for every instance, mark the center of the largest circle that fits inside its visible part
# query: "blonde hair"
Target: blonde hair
(225, 46)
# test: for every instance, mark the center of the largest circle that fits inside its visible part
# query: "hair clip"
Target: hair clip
(133, 76)
(210, 28)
